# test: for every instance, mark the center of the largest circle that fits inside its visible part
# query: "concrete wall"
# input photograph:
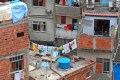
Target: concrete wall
(39, 10)
(38, 13)
(92, 55)
(90, 29)
(42, 36)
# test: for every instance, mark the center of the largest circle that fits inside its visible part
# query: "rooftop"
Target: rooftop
(56, 73)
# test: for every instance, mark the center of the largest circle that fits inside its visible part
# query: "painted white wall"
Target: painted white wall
(90, 29)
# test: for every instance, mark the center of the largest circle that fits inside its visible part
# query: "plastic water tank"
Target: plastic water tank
(116, 71)
(64, 63)
(105, 3)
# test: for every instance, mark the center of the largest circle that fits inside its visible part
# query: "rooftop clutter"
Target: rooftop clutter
(14, 11)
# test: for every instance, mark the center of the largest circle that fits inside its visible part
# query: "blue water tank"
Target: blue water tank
(116, 71)
(105, 3)
(64, 63)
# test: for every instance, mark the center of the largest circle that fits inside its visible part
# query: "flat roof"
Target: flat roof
(46, 73)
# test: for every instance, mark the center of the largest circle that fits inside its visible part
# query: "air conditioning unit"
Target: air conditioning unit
(48, 11)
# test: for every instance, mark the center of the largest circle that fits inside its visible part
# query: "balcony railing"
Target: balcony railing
(67, 10)
(68, 34)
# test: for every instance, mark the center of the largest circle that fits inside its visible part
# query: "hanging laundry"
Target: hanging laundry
(75, 0)
(45, 49)
(63, 2)
(69, 2)
(75, 27)
(50, 49)
(18, 75)
(57, 1)
(66, 48)
(73, 44)
(60, 48)
(68, 27)
(45, 64)
(55, 53)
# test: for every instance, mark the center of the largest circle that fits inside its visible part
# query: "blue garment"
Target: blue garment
(69, 2)
(45, 64)
(75, 27)
(19, 11)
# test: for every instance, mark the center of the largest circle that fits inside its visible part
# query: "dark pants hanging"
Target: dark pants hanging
(57, 1)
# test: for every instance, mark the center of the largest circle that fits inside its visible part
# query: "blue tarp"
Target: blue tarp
(116, 71)
(19, 11)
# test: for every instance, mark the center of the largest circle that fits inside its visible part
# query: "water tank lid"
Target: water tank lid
(64, 60)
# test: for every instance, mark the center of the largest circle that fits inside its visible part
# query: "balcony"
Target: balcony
(68, 34)
(67, 10)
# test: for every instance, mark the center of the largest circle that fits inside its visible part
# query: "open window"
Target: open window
(38, 2)
(101, 27)
(39, 26)
(75, 24)
(17, 63)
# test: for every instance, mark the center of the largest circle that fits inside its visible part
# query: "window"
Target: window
(97, 0)
(17, 63)
(106, 65)
(75, 24)
(88, 75)
(20, 34)
(38, 2)
(39, 26)
(89, 1)
(99, 60)
(101, 27)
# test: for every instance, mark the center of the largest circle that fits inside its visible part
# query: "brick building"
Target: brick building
(14, 44)
(100, 21)
(80, 70)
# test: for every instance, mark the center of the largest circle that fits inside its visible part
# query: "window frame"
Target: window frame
(38, 4)
(105, 60)
(98, 1)
(103, 30)
(87, 77)
(45, 26)
(17, 60)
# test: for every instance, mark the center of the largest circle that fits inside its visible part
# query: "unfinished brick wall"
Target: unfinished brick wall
(96, 43)
(82, 75)
(5, 69)
(10, 42)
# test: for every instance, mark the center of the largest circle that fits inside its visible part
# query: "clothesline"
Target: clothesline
(55, 51)
(68, 26)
